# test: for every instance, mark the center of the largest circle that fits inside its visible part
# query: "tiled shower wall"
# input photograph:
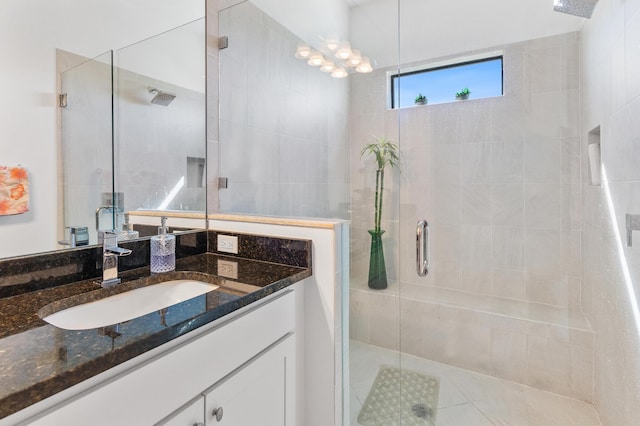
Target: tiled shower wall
(499, 181)
(610, 71)
(283, 124)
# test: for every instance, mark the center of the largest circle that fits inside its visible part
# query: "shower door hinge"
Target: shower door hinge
(62, 100)
(223, 183)
(223, 42)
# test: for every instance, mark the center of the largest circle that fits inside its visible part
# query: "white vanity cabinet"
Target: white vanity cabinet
(261, 393)
(258, 393)
(244, 362)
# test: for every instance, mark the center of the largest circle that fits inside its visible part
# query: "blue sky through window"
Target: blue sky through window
(439, 85)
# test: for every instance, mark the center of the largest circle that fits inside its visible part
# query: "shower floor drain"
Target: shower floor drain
(422, 411)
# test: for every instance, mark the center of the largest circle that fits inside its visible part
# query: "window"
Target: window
(482, 77)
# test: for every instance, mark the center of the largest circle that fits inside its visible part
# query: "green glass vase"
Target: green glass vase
(377, 269)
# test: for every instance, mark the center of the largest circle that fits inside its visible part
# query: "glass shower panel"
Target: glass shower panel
(86, 140)
(283, 142)
(375, 391)
(161, 122)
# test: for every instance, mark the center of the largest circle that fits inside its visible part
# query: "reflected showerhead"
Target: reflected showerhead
(161, 98)
(582, 8)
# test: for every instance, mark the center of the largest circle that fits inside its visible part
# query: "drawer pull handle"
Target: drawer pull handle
(198, 424)
(217, 413)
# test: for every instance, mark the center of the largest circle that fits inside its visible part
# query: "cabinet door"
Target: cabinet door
(190, 415)
(259, 393)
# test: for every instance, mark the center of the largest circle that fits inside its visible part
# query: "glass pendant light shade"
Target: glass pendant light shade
(364, 66)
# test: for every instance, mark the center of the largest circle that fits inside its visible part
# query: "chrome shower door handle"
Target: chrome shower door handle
(423, 252)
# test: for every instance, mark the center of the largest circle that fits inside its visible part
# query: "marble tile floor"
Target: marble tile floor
(468, 398)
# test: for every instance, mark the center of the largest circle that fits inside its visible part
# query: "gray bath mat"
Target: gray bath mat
(401, 397)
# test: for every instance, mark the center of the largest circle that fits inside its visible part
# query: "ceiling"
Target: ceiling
(431, 29)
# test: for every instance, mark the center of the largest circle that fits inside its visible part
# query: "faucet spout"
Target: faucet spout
(118, 251)
(110, 254)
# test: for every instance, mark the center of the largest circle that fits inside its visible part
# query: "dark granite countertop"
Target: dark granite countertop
(38, 360)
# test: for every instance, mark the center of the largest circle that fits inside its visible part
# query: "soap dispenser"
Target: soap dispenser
(163, 250)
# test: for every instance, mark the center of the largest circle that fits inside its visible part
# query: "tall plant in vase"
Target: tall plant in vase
(386, 154)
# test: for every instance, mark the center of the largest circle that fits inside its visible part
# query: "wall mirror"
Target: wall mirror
(104, 107)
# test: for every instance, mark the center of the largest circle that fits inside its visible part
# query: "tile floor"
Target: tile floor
(468, 398)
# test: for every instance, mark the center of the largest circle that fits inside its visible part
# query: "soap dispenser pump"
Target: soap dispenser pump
(163, 250)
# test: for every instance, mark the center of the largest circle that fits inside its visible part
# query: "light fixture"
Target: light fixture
(344, 51)
(332, 44)
(303, 51)
(315, 60)
(327, 66)
(339, 73)
(364, 66)
(355, 59)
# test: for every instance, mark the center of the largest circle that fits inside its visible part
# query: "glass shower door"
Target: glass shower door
(497, 176)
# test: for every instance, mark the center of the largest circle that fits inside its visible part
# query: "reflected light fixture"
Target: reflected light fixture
(344, 51)
(364, 66)
(339, 73)
(327, 66)
(315, 60)
(355, 59)
(303, 51)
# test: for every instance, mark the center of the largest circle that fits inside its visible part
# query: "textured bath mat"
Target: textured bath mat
(401, 397)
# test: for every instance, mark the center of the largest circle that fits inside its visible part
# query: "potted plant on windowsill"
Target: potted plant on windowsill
(386, 154)
(421, 99)
(463, 94)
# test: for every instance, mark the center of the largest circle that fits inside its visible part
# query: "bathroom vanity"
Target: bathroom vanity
(227, 354)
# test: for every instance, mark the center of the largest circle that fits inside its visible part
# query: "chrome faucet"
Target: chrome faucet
(110, 254)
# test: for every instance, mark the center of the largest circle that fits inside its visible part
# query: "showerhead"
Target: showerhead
(582, 8)
(161, 98)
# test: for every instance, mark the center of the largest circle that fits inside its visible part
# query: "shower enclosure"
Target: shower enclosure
(498, 179)
(526, 267)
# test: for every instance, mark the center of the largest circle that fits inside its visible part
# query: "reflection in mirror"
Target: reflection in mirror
(85, 142)
(43, 44)
(160, 122)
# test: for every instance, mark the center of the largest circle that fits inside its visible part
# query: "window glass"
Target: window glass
(483, 78)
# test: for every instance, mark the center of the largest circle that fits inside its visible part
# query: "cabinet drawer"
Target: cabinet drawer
(191, 415)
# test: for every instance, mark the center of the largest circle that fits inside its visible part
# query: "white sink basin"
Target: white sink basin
(126, 306)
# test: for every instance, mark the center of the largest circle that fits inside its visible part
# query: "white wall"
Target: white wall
(30, 31)
(610, 69)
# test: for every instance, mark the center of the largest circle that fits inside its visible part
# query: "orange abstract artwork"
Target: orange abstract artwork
(14, 190)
